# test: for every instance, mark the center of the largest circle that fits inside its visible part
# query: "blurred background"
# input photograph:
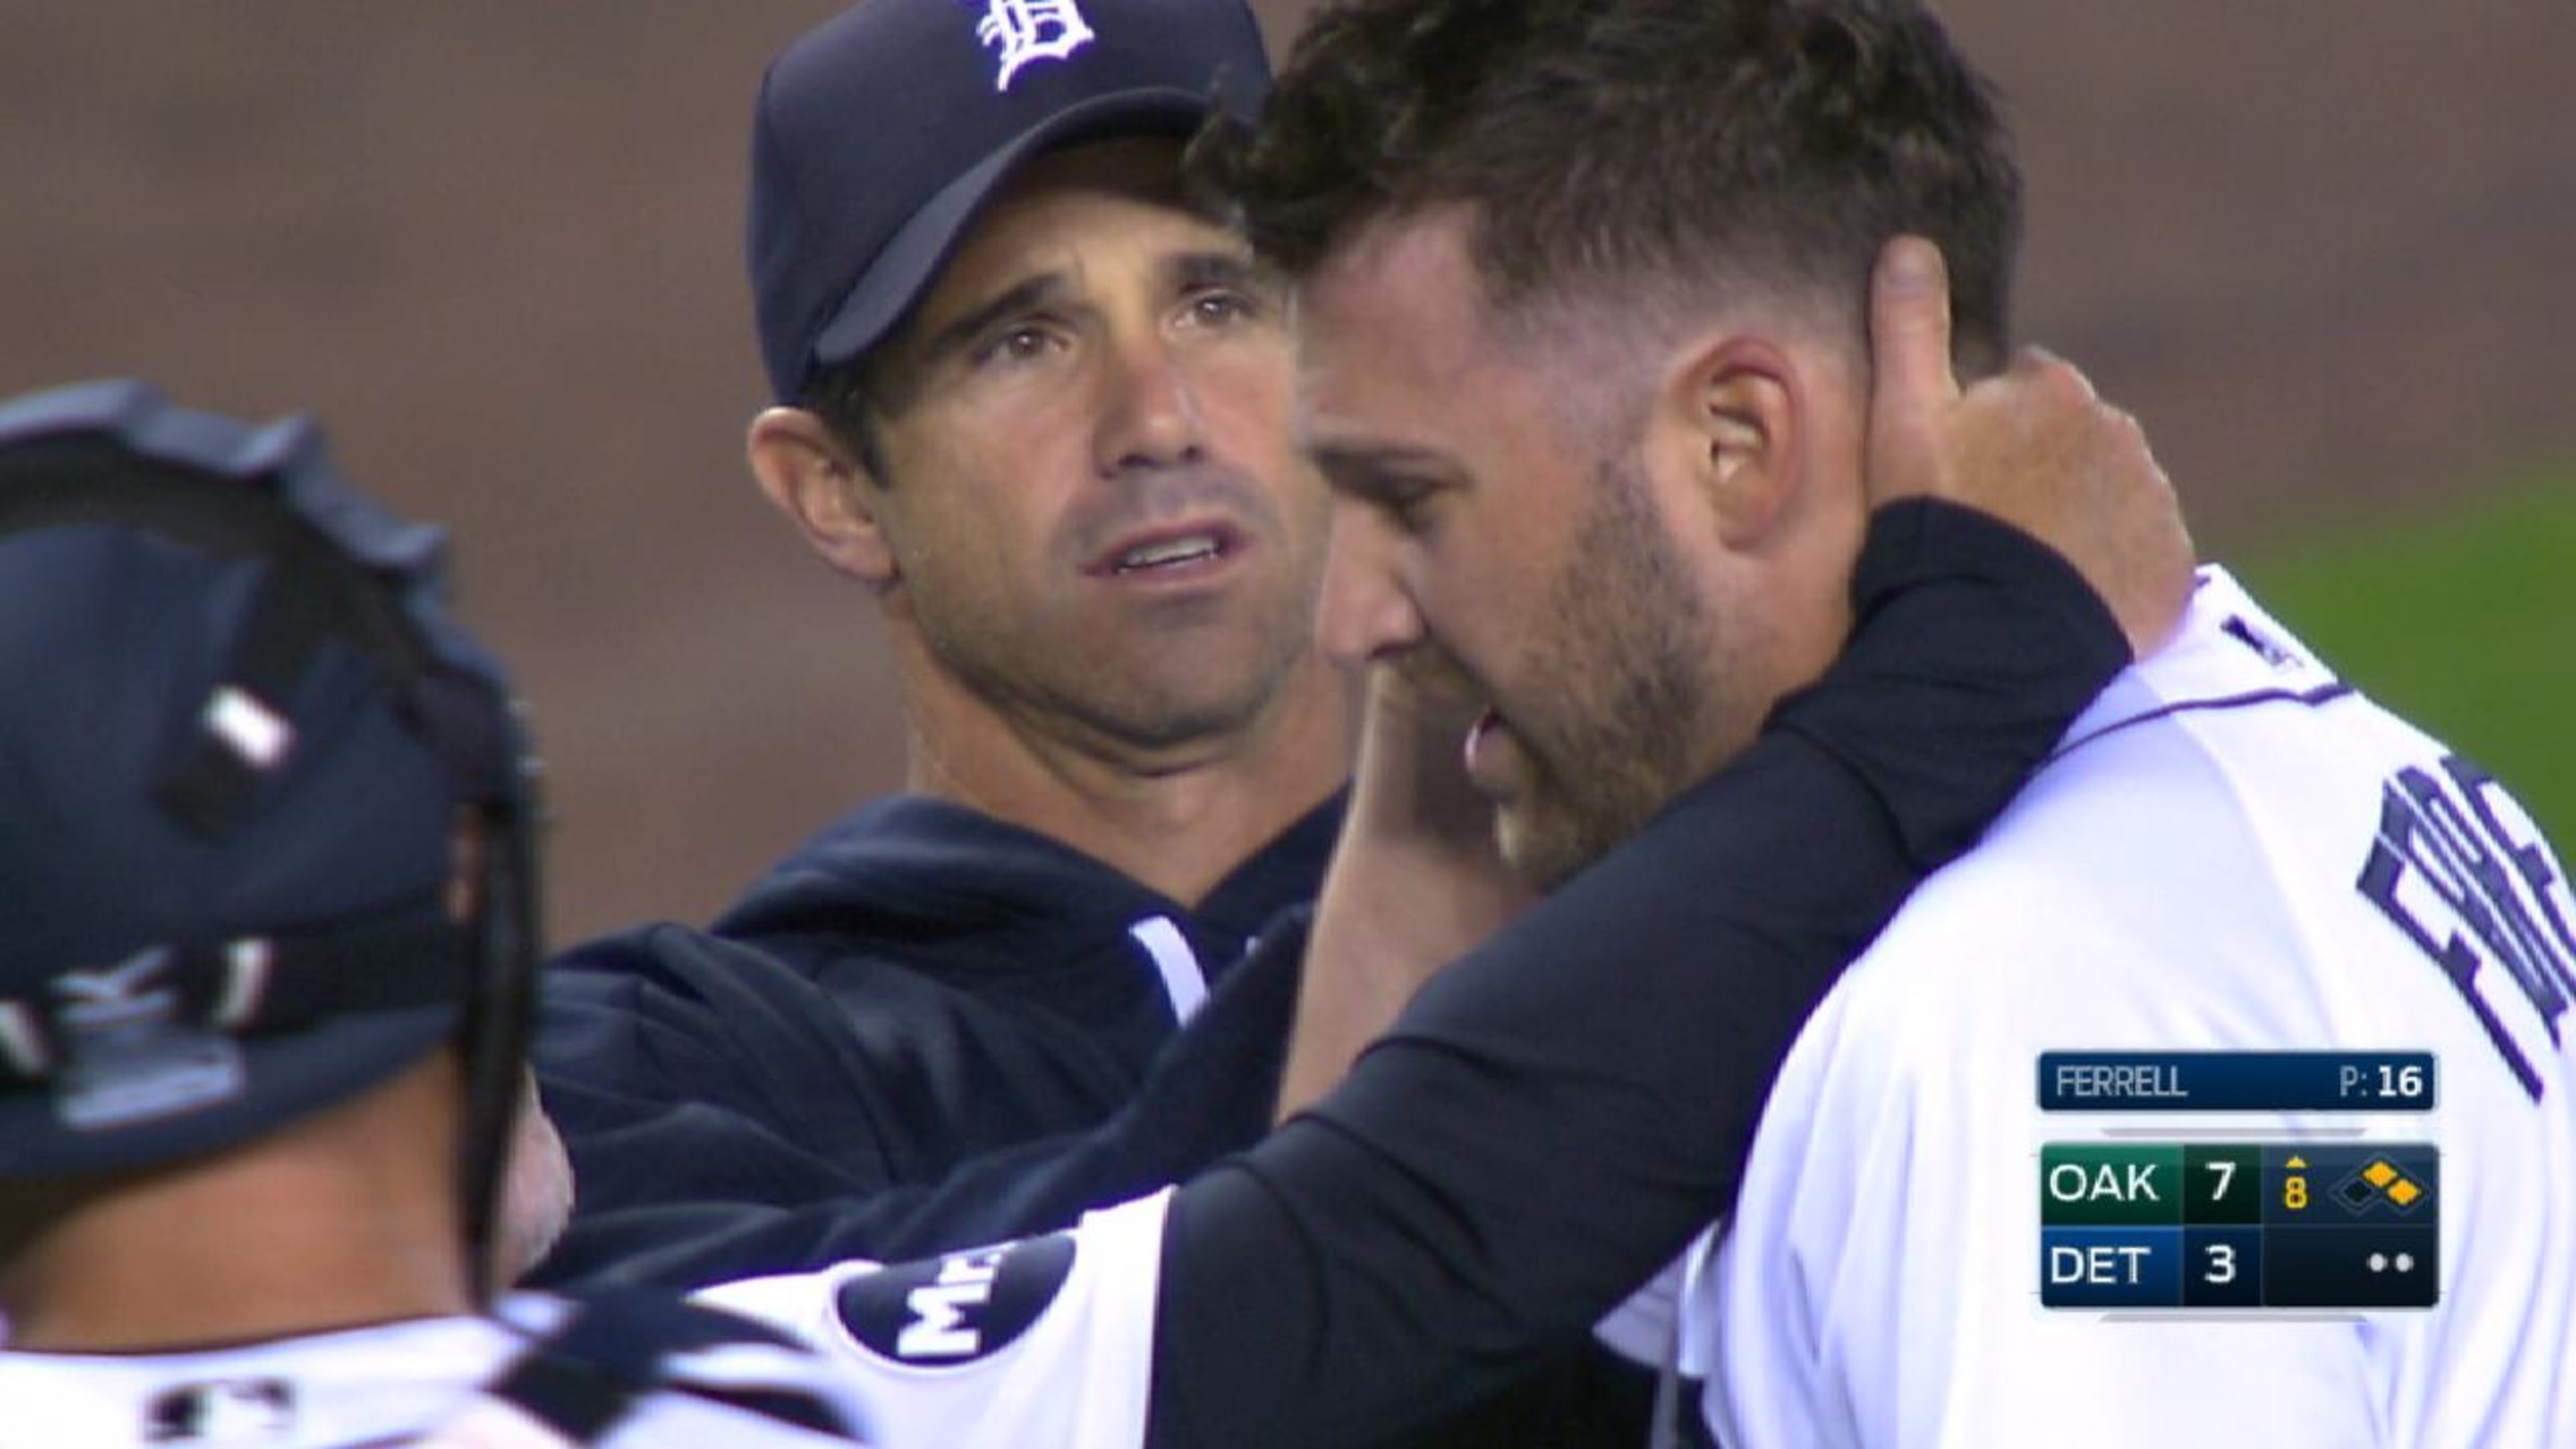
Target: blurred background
(2325, 249)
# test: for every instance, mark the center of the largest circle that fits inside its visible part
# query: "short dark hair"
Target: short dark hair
(1641, 141)
(839, 394)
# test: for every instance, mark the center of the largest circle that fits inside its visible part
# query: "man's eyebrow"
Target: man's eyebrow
(1380, 470)
(1019, 298)
(1220, 269)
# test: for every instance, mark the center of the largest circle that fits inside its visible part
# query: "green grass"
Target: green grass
(2460, 622)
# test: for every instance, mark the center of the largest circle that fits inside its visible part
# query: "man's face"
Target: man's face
(1098, 519)
(1489, 544)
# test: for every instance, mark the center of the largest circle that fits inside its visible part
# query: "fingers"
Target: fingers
(2035, 366)
(536, 1192)
(1409, 782)
(1909, 329)
(2035, 446)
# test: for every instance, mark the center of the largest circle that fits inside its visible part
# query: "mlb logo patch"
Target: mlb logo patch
(236, 1413)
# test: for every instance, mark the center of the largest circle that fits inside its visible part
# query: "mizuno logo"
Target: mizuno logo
(116, 993)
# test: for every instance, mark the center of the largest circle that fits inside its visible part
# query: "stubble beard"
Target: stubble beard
(1634, 650)
(1145, 695)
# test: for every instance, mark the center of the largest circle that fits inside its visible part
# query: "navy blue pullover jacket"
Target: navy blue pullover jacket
(917, 990)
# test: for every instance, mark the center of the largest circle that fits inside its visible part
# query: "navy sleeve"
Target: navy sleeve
(1558, 1113)
(731, 1196)
(645, 1059)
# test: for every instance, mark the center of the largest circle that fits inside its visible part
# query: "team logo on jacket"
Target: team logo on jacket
(221, 1412)
(1020, 31)
(958, 1308)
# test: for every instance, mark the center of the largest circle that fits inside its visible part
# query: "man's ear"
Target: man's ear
(808, 476)
(1727, 422)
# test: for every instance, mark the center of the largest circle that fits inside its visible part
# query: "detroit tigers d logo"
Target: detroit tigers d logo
(1021, 31)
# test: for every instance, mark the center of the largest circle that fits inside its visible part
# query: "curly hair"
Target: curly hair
(1629, 148)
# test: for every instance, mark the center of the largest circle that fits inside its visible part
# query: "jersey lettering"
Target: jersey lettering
(2459, 867)
(951, 1310)
(939, 1328)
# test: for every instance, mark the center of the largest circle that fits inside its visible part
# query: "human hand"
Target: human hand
(1416, 878)
(2033, 446)
(1413, 807)
(536, 1192)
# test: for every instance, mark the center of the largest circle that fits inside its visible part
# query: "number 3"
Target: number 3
(2222, 1264)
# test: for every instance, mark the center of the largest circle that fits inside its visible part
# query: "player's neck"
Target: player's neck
(1178, 819)
(344, 1221)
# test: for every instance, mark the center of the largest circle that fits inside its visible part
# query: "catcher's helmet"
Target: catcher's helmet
(237, 735)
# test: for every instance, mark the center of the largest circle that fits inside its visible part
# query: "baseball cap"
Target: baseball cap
(880, 134)
(235, 726)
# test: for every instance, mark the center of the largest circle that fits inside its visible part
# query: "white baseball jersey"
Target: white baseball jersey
(420, 1383)
(2232, 850)
(1048, 1341)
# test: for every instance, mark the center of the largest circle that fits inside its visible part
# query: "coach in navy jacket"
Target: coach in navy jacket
(917, 987)
(1036, 401)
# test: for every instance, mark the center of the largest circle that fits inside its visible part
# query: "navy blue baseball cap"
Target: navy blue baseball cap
(879, 136)
(236, 729)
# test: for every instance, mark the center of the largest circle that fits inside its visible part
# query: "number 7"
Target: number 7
(2226, 1170)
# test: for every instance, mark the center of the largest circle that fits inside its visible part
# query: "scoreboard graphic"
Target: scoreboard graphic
(2291, 1222)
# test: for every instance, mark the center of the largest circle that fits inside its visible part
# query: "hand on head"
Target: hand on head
(2033, 445)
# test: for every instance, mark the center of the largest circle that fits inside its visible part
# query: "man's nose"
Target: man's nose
(1150, 413)
(1365, 613)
